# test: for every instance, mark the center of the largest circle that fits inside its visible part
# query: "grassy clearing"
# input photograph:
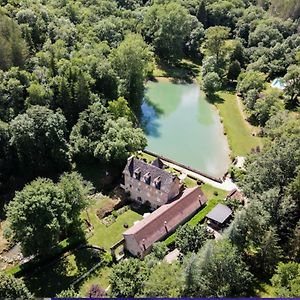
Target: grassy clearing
(107, 236)
(238, 132)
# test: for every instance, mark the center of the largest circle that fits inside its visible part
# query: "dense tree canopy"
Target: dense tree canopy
(12, 288)
(217, 272)
(39, 137)
(57, 207)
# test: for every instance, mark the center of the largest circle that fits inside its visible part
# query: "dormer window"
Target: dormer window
(157, 182)
(147, 178)
(137, 174)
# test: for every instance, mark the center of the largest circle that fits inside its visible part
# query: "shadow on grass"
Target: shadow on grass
(60, 274)
(180, 71)
(214, 99)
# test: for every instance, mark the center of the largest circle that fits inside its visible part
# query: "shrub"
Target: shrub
(95, 291)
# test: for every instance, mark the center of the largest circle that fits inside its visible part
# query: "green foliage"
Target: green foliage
(159, 250)
(250, 80)
(97, 135)
(234, 70)
(128, 277)
(215, 40)
(218, 271)
(132, 61)
(211, 83)
(70, 293)
(286, 280)
(167, 26)
(119, 140)
(13, 48)
(191, 238)
(165, 281)
(58, 207)
(292, 79)
(266, 107)
(13, 84)
(12, 288)
(119, 108)
(39, 137)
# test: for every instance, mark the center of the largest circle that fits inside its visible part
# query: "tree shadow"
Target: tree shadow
(180, 71)
(214, 99)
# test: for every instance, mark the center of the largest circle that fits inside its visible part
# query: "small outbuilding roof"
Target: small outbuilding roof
(220, 213)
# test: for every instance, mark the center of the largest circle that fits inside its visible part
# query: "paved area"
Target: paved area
(227, 185)
(172, 256)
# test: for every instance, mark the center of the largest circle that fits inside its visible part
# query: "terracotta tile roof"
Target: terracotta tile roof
(220, 213)
(235, 194)
(167, 217)
(146, 170)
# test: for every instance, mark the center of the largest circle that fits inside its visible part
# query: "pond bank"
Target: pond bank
(181, 125)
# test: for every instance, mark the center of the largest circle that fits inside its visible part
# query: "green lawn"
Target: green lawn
(107, 236)
(146, 156)
(238, 133)
(100, 277)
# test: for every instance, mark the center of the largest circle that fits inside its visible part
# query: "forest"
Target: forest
(72, 80)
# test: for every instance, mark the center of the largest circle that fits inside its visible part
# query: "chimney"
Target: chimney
(165, 223)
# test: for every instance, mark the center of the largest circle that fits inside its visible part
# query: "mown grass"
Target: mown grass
(239, 134)
(107, 236)
(99, 277)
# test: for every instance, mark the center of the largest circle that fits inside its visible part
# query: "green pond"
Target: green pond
(180, 124)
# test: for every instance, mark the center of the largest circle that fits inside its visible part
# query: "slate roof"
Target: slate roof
(166, 178)
(166, 218)
(158, 163)
(220, 213)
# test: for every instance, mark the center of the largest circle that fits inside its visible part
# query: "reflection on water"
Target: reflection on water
(182, 125)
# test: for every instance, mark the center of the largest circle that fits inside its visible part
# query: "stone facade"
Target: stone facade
(149, 184)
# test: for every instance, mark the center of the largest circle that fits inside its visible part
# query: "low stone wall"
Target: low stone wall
(218, 180)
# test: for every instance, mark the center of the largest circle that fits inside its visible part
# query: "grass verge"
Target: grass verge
(239, 134)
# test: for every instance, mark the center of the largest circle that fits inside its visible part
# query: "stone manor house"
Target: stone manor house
(150, 183)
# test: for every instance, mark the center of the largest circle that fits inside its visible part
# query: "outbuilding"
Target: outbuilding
(219, 216)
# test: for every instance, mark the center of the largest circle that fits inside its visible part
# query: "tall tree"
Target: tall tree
(165, 281)
(167, 25)
(191, 238)
(132, 62)
(292, 79)
(286, 281)
(215, 38)
(220, 272)
(128, 277)
(40, 139)
(43, 212)
(13, 48)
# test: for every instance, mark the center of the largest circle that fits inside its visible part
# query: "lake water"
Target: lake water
(180, 124)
